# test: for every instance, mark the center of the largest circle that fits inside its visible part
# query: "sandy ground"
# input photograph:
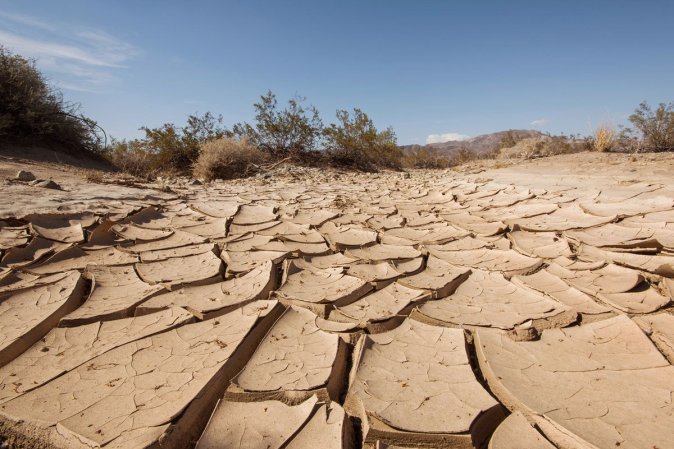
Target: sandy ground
(499, 305)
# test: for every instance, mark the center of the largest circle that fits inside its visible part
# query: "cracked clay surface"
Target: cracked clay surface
(524, 307)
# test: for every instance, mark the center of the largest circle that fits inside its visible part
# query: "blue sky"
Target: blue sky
(427, 68)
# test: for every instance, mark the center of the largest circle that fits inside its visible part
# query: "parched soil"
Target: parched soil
(525, 306)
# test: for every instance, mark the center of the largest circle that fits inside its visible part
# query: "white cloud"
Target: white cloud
(446, 137)
(43, 49)
(27, 20)
(74, 58)
(540, 122)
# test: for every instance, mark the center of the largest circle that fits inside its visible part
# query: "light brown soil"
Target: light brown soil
(497, 304)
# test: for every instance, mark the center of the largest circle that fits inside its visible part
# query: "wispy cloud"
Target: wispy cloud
(540, 122)
(42, 49)
(77, 59)
(445, 137)
(29, 21)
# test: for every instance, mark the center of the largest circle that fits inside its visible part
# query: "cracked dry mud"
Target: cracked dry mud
(527, 307)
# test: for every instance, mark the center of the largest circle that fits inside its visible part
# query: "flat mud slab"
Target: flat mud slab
(156, 388)
(522, 307)
(429, 394)
(603, 383)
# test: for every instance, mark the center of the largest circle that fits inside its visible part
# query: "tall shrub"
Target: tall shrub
(282, 132)
(656, 126)
(34, 112)
(355, 141)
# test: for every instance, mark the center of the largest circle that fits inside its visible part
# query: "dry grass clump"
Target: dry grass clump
(227, 158)
(604, 138)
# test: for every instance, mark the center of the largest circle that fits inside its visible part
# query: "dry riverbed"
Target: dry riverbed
(519, 306)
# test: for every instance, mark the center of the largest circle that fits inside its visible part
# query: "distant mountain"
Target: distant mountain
(478, 144)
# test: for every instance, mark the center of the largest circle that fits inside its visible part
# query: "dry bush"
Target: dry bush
(462, 156)
(310, 158)
(227, 158)
(604, 138)
(522, 149)
(425, 157)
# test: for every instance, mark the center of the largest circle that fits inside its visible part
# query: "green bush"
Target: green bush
(167, 148)
(290, 131)
(355, 142)
(178, 148)
(33, 112)
(656, 127)
(295, 132)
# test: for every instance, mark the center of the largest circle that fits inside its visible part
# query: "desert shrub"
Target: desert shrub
(168, 149)
(656, 126)
(425, 157)
(132, 157)
(490, 154)
(314, 158)
(227, 158)
(507, 141)
(355, 142)
(32, 111)
(525, 148)
(177, 148)
(561, 144)
(292, 130)
(604, 138)
(462, 156)
(510, 139)
(627, 141)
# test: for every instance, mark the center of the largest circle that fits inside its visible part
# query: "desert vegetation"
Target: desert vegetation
(546, 145)
(604, 138)
(651, 130)
(654, 128)
(33, 112)
(295, 132)
(227, 158)
(426, 157)
(167, 148)
(355, 141)
(290, 131)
